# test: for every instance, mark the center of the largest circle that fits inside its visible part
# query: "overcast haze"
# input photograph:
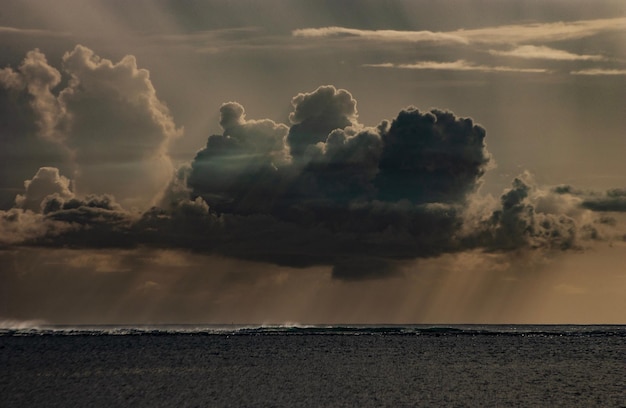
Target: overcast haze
(312, 162)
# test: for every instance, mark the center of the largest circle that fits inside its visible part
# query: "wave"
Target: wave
(13, 324)
(40, 329)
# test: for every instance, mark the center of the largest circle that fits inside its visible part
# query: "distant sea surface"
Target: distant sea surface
(313, 366)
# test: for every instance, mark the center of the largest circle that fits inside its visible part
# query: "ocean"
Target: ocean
(313, 366)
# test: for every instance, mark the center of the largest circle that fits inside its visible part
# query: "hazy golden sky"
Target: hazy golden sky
(313, 161)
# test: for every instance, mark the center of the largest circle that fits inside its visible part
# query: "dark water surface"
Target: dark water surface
(215, 366)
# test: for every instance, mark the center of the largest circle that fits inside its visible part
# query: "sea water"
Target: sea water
(314, 366)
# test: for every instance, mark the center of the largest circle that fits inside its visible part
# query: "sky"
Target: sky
(312, 162)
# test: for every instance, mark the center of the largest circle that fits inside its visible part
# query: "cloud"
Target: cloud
(38, 78)
(529, 216)
(20, 227)
(342, 169)
(547, 53)
(46, 182)
(324, 191)
(517, 37)
(92, 222)
(347, 195)
(420, 157)
(459, 65)
(316, 114)
(10, 79)
(32, 32)
(612, 200)
(107, 118)
(380, 35)
(49, 214)
(119, 127)
(23, 150)
(562, 216)
(599, 72)
(235, 168)
(544, 32)
(431, 157)
(518, 224)
(508, 34)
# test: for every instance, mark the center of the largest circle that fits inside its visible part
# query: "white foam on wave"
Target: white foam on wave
(14, 324)
(40, 327)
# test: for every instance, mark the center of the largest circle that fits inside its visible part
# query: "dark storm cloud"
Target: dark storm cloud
(328, 190)
(236, 171)
(612, 200)
(316, 114)
(97, 222)
(245, 196)
(431, 157)
(325, 191)
(342, 169)
(378, 236)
